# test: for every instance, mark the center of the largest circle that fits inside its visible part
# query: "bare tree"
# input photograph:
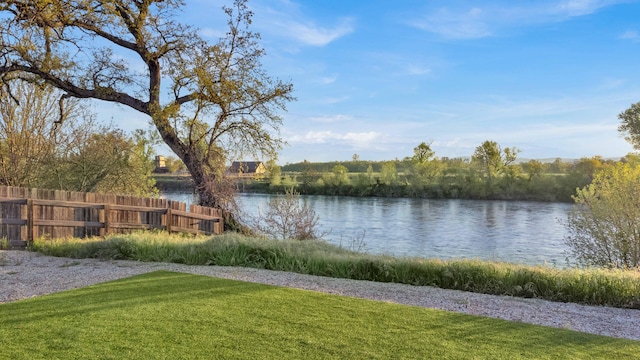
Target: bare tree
(31, 132)
(207, 101)
(39, 148)
(287, 217)
(24, 144)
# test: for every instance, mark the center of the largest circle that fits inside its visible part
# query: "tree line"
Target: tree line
(491, 172)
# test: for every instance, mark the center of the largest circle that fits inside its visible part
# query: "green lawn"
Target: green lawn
(165, 315)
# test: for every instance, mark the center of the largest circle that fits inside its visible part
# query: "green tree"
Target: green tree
(493, 160)
(603, 225)
(630, 125)
(533, 168)
(340, 175)
(274, 172)
(422, 153)
(106, 161)
(207, 101)
(388, 173)
(631, 159)
(174, 164)
(424, 166)
(309, 175)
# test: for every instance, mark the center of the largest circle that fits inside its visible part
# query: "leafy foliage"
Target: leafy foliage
(603, 225)
(207, 101)
(41, 148)
(630, 125)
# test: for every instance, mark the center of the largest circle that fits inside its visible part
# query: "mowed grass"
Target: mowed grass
(166, 315)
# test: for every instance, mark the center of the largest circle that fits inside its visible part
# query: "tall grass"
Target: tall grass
(616, 288)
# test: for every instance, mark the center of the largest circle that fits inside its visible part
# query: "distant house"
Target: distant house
(247, 168)
(161, 165)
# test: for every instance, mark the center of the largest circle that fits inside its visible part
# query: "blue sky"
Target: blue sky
(378, 77)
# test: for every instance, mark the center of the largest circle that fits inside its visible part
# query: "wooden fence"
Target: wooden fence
(26, 214)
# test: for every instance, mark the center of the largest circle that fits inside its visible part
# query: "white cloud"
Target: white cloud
(331, 119)
(355, 139)
(417, 70)
(467, 24)
(488, 18)
(328, 80)
(332, 100)
(312, 34)
(630, 35)
(580, 7)
(285, 19)
(212, 33)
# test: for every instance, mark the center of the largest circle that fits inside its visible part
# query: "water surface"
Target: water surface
(511, 231)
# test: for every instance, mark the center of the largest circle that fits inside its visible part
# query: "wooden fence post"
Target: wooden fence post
(107, 213)
(168, 220)
(31, 230)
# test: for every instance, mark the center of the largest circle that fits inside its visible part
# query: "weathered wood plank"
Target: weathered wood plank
(13, 222)
(26, 214)
(67, 223)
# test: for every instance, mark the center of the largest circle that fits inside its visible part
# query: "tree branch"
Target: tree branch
(106, 94)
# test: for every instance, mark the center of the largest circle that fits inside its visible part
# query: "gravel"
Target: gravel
(26, 274)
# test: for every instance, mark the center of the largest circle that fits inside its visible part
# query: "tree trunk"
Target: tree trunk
(214, 190)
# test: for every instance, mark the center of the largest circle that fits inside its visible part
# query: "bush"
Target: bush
(603, 225)
(288, 217)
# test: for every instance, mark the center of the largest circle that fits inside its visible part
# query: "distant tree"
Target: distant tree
(274, 172)
(423, 164)
(423, 153)
(631, 159)
(207, 101)
(630, 126)
(340, 175)
(174, 164)
(107, 161)
(603, 225)
(585, 169)
(309, 174)
(493, 160)
(533, 168)
(370, 173)
(558, 166)
(388, 173)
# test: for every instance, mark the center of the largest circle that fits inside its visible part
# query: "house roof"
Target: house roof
(245, 167)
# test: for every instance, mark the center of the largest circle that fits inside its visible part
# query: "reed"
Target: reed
(616, 288)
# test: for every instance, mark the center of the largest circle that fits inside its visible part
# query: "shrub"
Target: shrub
(603, 225)
(288, 217)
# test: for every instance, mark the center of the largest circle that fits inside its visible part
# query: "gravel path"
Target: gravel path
(25, 274)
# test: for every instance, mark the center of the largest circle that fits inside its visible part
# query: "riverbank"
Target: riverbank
(544, 192)
(26, 274)
(587, 286)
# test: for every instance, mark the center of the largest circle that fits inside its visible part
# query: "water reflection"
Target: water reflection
(520, 232)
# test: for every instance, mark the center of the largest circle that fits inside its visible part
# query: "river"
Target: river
(510, 231)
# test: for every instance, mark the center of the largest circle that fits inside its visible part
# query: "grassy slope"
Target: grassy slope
(171, 315)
